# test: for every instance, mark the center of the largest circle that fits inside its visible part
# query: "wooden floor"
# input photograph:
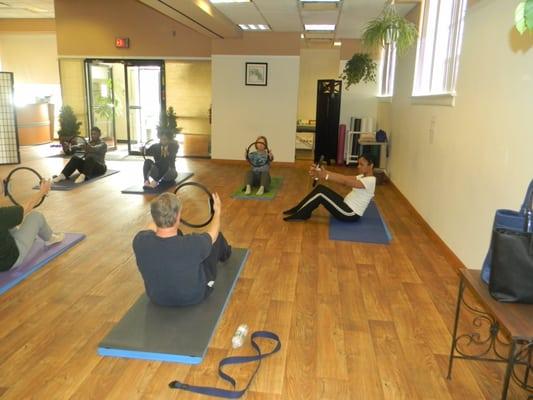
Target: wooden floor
(357, 321)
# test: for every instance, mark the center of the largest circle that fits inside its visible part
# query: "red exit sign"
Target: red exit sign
(122, 43)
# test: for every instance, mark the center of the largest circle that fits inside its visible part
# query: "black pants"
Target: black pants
(219, 252)
(332, 201)
(258, 178)
(151, 169)
(88, 167)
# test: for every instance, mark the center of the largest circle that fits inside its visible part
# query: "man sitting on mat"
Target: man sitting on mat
(349, 208)
(20, 226)
(93, 164)
(177, 269)
(163, 170)
(260, 175)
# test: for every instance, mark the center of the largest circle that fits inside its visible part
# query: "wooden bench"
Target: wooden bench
(509, 326)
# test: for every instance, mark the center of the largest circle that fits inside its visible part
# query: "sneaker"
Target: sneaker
(248, 190)
(56, 238)
(260, 191)
(80, 179)
(227, 254)
(59, 178)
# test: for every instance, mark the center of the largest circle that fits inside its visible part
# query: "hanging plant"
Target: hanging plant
(390, 27)
(523, 16)
(359, 68)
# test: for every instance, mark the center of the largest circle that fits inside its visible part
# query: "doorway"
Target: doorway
(125, 100)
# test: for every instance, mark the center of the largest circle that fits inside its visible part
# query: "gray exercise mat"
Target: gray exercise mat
(69, 184)
(174, 334)
(162, 187)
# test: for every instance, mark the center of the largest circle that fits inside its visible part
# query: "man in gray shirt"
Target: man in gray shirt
(177, 269)
(93, 164)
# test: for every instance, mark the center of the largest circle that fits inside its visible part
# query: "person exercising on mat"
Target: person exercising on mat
(177, 269)
(349, 208)
(93, 163)
(259, 174)
(163, 170)
(20, 226)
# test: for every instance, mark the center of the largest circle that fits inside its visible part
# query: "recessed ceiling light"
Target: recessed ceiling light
(302, 36)
(262, 27)
(244, 27)
(254, 27)
(337, 43)
(229, 1)
(320, 1)
(319, 27)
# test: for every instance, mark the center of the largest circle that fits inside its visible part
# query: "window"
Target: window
(387, 69)
(439, 46)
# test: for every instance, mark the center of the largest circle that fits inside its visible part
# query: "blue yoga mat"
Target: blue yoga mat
(174, 334)
(369, 229)
(68, 184)
(39, 256)
(161, 188)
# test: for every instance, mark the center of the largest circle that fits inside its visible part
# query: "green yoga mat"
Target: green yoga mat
(275, 184)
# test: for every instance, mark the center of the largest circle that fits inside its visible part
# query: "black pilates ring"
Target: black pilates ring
(211, 204)
(318, 166)
(257, 165)
(143, 148)
(5, 182)
(75, 141)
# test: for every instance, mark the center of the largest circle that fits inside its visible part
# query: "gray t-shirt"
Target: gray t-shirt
(172, 268)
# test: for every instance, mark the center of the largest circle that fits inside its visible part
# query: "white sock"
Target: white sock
(260, 191)
(248, 190)
(80, 179)
(59, 178)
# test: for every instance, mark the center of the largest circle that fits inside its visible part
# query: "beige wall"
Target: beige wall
(189, 92)
(241, 113)
(315, 64)
(480, 157)
(253, 43)
(89, 28)
(27, 25)
(73, 89)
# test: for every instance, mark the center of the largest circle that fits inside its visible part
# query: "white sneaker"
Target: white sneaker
(59, 178)
(80, 179)
(260, 191)
(248, 190)
(56, 238)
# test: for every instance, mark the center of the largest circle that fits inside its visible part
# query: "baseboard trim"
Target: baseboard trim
(451, 257)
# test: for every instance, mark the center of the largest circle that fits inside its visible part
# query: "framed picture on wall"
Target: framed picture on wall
(256, 74)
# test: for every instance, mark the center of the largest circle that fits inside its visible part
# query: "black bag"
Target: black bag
(511, 278)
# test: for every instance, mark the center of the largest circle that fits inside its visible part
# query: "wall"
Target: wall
(315, 64)
(73, 89)
(240, 112)
(480, 157)
(89, 28)
(189, 92)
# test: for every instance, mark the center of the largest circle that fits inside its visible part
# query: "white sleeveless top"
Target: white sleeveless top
(358, 199)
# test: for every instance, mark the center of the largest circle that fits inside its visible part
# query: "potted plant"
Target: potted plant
(390, 27)
(168, 124)
(359, 68)
(68, 127)
(524, 16)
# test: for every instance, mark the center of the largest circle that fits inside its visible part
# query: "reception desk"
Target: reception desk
(33, 123)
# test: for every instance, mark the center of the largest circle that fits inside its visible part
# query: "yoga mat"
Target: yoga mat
(162, 187)
(369, 229)
(39, 255)
(68, 184)
(275, 184)
(174, 334)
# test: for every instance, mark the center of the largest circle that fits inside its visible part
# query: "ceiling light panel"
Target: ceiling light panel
(319, 27)
(281, 15)
(243, 14)
(228, 1)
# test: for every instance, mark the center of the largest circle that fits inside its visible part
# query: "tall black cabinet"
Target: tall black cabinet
(328, 108)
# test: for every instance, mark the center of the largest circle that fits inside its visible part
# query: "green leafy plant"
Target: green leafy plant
(390, 27)
(168, 124)
(359, 68)
(523, 16)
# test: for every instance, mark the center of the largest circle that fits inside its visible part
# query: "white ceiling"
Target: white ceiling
(349, 16)
(26, 8)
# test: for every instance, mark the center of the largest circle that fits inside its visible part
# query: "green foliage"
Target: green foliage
(390, 27)
(68, 123)
(104, 105)
(359, 68)
(523, 16)
(168, 124)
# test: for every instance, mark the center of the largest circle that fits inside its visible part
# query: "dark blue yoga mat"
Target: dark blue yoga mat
(68, 184)
(163, 187)
(174, 334)
(369, 229)
(39, 256)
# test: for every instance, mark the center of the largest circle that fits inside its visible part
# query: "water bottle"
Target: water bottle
(238, 338)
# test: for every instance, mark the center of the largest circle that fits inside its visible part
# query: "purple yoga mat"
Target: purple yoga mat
(39, 255)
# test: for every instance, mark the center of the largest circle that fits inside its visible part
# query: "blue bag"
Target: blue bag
(512, 220)
(381, 136)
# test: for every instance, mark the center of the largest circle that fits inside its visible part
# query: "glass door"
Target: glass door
(145, 100)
